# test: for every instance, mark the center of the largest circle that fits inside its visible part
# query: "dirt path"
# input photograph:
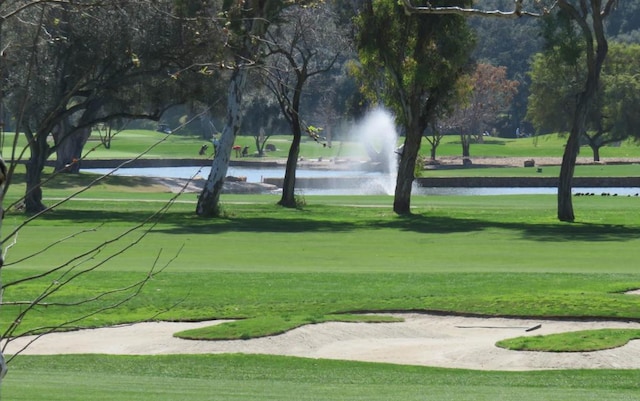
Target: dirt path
(428, 340)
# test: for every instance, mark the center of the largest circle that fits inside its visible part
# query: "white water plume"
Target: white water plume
(379, 138)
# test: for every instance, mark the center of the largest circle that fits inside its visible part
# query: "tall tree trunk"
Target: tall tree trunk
(466, 145)
(406, 172)
(596, 152)
(208, 202)
(289, 184)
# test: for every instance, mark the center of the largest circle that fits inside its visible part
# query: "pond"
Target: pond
(368, 183)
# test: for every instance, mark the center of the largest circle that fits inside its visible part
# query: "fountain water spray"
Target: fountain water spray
(377, 134)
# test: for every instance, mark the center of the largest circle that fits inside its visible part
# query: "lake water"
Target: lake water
(370, 182)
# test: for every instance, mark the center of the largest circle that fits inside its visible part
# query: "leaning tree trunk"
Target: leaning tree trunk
(571, 150)
(289, 184)
(593, 31)
(208, 202)
(406, 172)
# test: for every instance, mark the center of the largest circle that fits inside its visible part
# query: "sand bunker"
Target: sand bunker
(422, 339)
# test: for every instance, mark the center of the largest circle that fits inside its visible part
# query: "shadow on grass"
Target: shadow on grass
(533, 231)
(183, 223)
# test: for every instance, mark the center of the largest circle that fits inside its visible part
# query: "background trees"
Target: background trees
(509, 43)
(411, 64)
(484, 97)
(613, 115)
(582, 23)
(92, 64)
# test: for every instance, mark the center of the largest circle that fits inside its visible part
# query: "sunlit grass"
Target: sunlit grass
(575, 341)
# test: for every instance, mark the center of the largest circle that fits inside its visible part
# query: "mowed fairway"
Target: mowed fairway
(279, 268)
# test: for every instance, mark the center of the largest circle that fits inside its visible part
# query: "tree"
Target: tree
(80, 71)
(614, 114)
(587, 19)
(485, 95)
(298, 51)
(411, 63)
(510, 43)
(433, 135)
(245, 25)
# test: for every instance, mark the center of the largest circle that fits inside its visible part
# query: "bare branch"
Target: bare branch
(21, 7)
(517, 12)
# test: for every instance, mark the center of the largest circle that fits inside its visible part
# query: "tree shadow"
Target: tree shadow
(183, 223)
(551, 232)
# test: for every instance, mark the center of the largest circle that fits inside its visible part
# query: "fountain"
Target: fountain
(378, 135)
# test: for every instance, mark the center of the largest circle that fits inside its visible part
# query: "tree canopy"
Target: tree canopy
(614, 114)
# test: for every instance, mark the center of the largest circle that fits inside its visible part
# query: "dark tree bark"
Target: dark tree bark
(40, 151)
(596, 153)
(591, 26)
(465, 140)
(69, 149)
(289, 184)
(406, 171)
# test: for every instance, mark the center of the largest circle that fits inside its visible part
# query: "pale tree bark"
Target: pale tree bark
(255, 27)
(208, 201)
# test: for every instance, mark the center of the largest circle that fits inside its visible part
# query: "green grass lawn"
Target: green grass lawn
(245, 377)
(278, 268)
